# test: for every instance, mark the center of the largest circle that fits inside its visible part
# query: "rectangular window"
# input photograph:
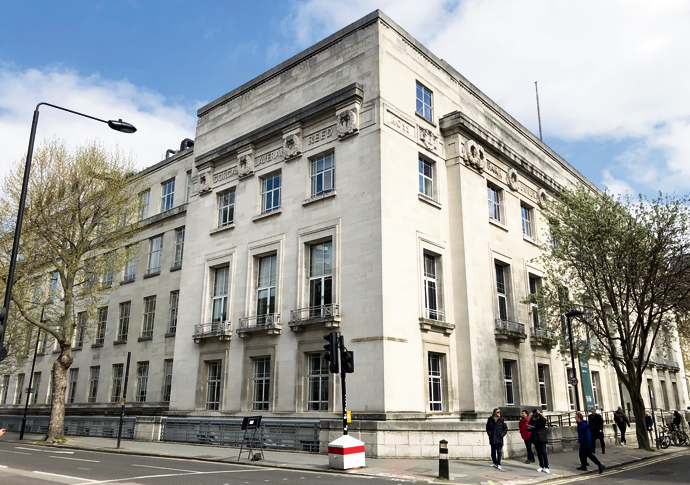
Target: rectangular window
(167, 379)
(508, 382)
(80, 330)
(102, 321)
(123, 324)
(534, 285)
(45, 343)
(426, 178)
(53, 284)
(527, 229)
(320, 278)
(131, 268)
(431, 289)
(571, 391)
(142, 381)
(19, 392)
(220, 297)
(144, 204)
(317, 382)
(167, 195)
(595, 389)
(213, 386)
(107, 281)
(116, 387)
(174, 302)
(435, 397)
(226, 208)
(270, 193)
(94, 375)
(266, 288)
(424, 105)
(262, 383)
(675, 395)
(664, 395)
(494, 203)
(543, 394)
(322, 174)
(149, 315)
(155, 251)
(501, 293)
(72, 385)
(188, 192)
(36, 384)
(5, 388)
(179, 247)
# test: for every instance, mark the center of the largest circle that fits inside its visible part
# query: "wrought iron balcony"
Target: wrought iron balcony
(543, 333)
(508, 329)
(435, 321)
(329, 315)
(430, 314)
(270, 322)
(128, 277)
(222, 330)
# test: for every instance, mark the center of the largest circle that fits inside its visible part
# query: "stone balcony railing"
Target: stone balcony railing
(506, 329)
(435, 321)
(269, 323)
(221, 330)
(328, 315)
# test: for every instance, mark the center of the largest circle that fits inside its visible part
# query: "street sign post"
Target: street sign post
(573, 381)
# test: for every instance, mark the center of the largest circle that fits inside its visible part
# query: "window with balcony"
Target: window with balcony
(167, 195)
(155, 252)
(320, 278)
(527, 225)
(261, 383)
(101, 326)
(266, 289)
(534, 285)
(226, 208)
(94, 375)
(317, 382)
(116, 385)
(219, 310)
(270, 193)
(123, 321)
(501, 292)
(72, 385)
(149, 317)
(426, 178)
(174, 303)
(424, 106)
(495, 196)
(435, 383)
(167, 379)
(322, 174)
(431, 289)
(213, 387)
(179, 247)
(142, 381)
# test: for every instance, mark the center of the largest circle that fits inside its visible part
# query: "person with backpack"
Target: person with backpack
(596, 426)
(496, 428)
(584, 437)
(537, 427)
(622, 422)
(525, 435)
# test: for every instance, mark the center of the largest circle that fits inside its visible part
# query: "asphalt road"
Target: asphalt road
(22, 464)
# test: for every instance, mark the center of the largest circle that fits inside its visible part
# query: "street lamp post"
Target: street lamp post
(117, 125)
(568, 316)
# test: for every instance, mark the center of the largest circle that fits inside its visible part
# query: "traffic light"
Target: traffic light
(348, 361)
(331, 351)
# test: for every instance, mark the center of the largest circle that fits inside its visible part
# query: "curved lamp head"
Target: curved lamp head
(122, 126)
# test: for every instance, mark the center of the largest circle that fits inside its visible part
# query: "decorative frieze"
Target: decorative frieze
(474, 155)
(347, 122)
(292, 142)
(245, 162)
(206, 179)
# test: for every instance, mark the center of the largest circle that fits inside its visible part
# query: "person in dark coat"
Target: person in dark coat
(496, 428)
(677, 420)
(596, 426)
(525, 435)
(622, 422)
(649, 422)
(538, 428)
(584, 437)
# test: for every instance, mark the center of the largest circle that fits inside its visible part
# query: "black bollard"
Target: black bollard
(443, 460)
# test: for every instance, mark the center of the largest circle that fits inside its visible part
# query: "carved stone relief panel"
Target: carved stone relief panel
(474, 155)
(347, 120)
(428, 139)
(292, 142)
(513, 178)
(245, 162)
(205, 181)
(542, 198)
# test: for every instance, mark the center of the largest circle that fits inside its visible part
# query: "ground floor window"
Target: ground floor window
(93, 383)
(317, 385)
(167, 379)
(435, 396)
(213, 385)
(571, 390)
(72, 385)
(116, 387)
(262, 383)
(542, 371)
(142, 381)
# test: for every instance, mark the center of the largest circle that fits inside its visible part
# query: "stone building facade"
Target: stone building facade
(345, 189)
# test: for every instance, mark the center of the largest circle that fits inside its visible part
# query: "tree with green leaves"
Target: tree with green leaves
(625, 262)
(81, 209)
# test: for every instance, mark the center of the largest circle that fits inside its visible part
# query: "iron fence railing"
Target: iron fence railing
(259, 321)
(96, 426)
(213, 329)
(432, 314)
(319, 311)
(299, 435)
(509, 326)
(543, 333)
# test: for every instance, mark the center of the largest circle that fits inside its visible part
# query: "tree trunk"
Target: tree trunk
(638, 412)
(56, 427)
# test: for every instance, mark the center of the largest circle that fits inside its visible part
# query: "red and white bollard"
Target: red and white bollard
(346, 453)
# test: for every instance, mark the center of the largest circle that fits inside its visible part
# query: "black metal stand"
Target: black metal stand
(124, 398)
(252, 433)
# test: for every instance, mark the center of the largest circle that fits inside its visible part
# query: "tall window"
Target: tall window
(167, 195)
(213, 386)
(494, 203)
(527, 229)
(226, 208)
(543, 395)
(80, 330)
(179, 247)
(424, 105)
(149, 315)
(174, 302)
(426, 178)
(435, 397)
(595, 389)
(102, 321)
(72, 385)
(220, 296)
(266, 288)
(144, 204)
(317, 385)
(501, 292)
(534, 284)
(508, 382)
(167, 379)
(155, 251)
(320, 277)
(188, 191)
(431, 288)
(19, 389)
(322, 174)
(94, 375)
(123, 323)
(5, 388)
(270, 193)
(108, 278)
(664, 394)
(49, 397)
(142, 381)
(571, 390)
(53, 284)
(262, 383)
(131, 268)
(116, 386)
(45, 342)
(36, 384)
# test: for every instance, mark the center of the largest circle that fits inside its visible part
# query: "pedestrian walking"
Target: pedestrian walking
(525, 434)
(649, 421)
(584, 437)
(596, 426)
(622, 422)
(537, 427)
(496, 428)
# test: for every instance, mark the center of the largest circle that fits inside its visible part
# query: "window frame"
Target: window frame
(167, 195)
(495, 204)
(221, 295)
(214, 385)
(5, 388)
(320, 277)
(571, 390)
(101, 325)
(155, 259)
(94, 378)
(179, 247)
(116, 382)
(542, 371)
(19, 389)
(527, 217)
(188, 190)
(35, 385)
(435, 376)
(123, 321)
(422, 102)
(502, 287)
(168, 365)
(131, 266)
(149, 316)
(144, 201)
(423, 164)
(533, 290)
(325, 173)
(509, 386)
(73, 379)
(173, 312)
(226, 207)
(261, 383)
(267, 287)
(80, 331)
(142, 381)
(318, 378)
(271, 194)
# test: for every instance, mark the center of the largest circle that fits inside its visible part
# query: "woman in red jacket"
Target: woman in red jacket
(525, 436)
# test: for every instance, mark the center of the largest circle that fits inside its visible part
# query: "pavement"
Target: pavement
(515, 471)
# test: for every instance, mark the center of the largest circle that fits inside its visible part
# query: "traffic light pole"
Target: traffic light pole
(342, 383)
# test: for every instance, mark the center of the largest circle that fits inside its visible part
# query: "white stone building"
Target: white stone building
(346, 189)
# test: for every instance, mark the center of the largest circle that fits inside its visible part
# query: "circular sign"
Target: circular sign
(573, 381)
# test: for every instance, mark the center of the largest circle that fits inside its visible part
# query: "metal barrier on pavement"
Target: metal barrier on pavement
(95, 426)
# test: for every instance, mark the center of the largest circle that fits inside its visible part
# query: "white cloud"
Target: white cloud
(160, 126)
(612, 70)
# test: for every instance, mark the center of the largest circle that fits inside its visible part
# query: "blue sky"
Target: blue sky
(612, 75)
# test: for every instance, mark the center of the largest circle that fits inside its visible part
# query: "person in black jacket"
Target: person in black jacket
(596, 427)
(677, 419)
(649, 421)
(622, 422)
(537, 425)
(496, 428)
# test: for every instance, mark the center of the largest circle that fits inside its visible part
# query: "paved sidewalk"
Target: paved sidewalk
(514, 472)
